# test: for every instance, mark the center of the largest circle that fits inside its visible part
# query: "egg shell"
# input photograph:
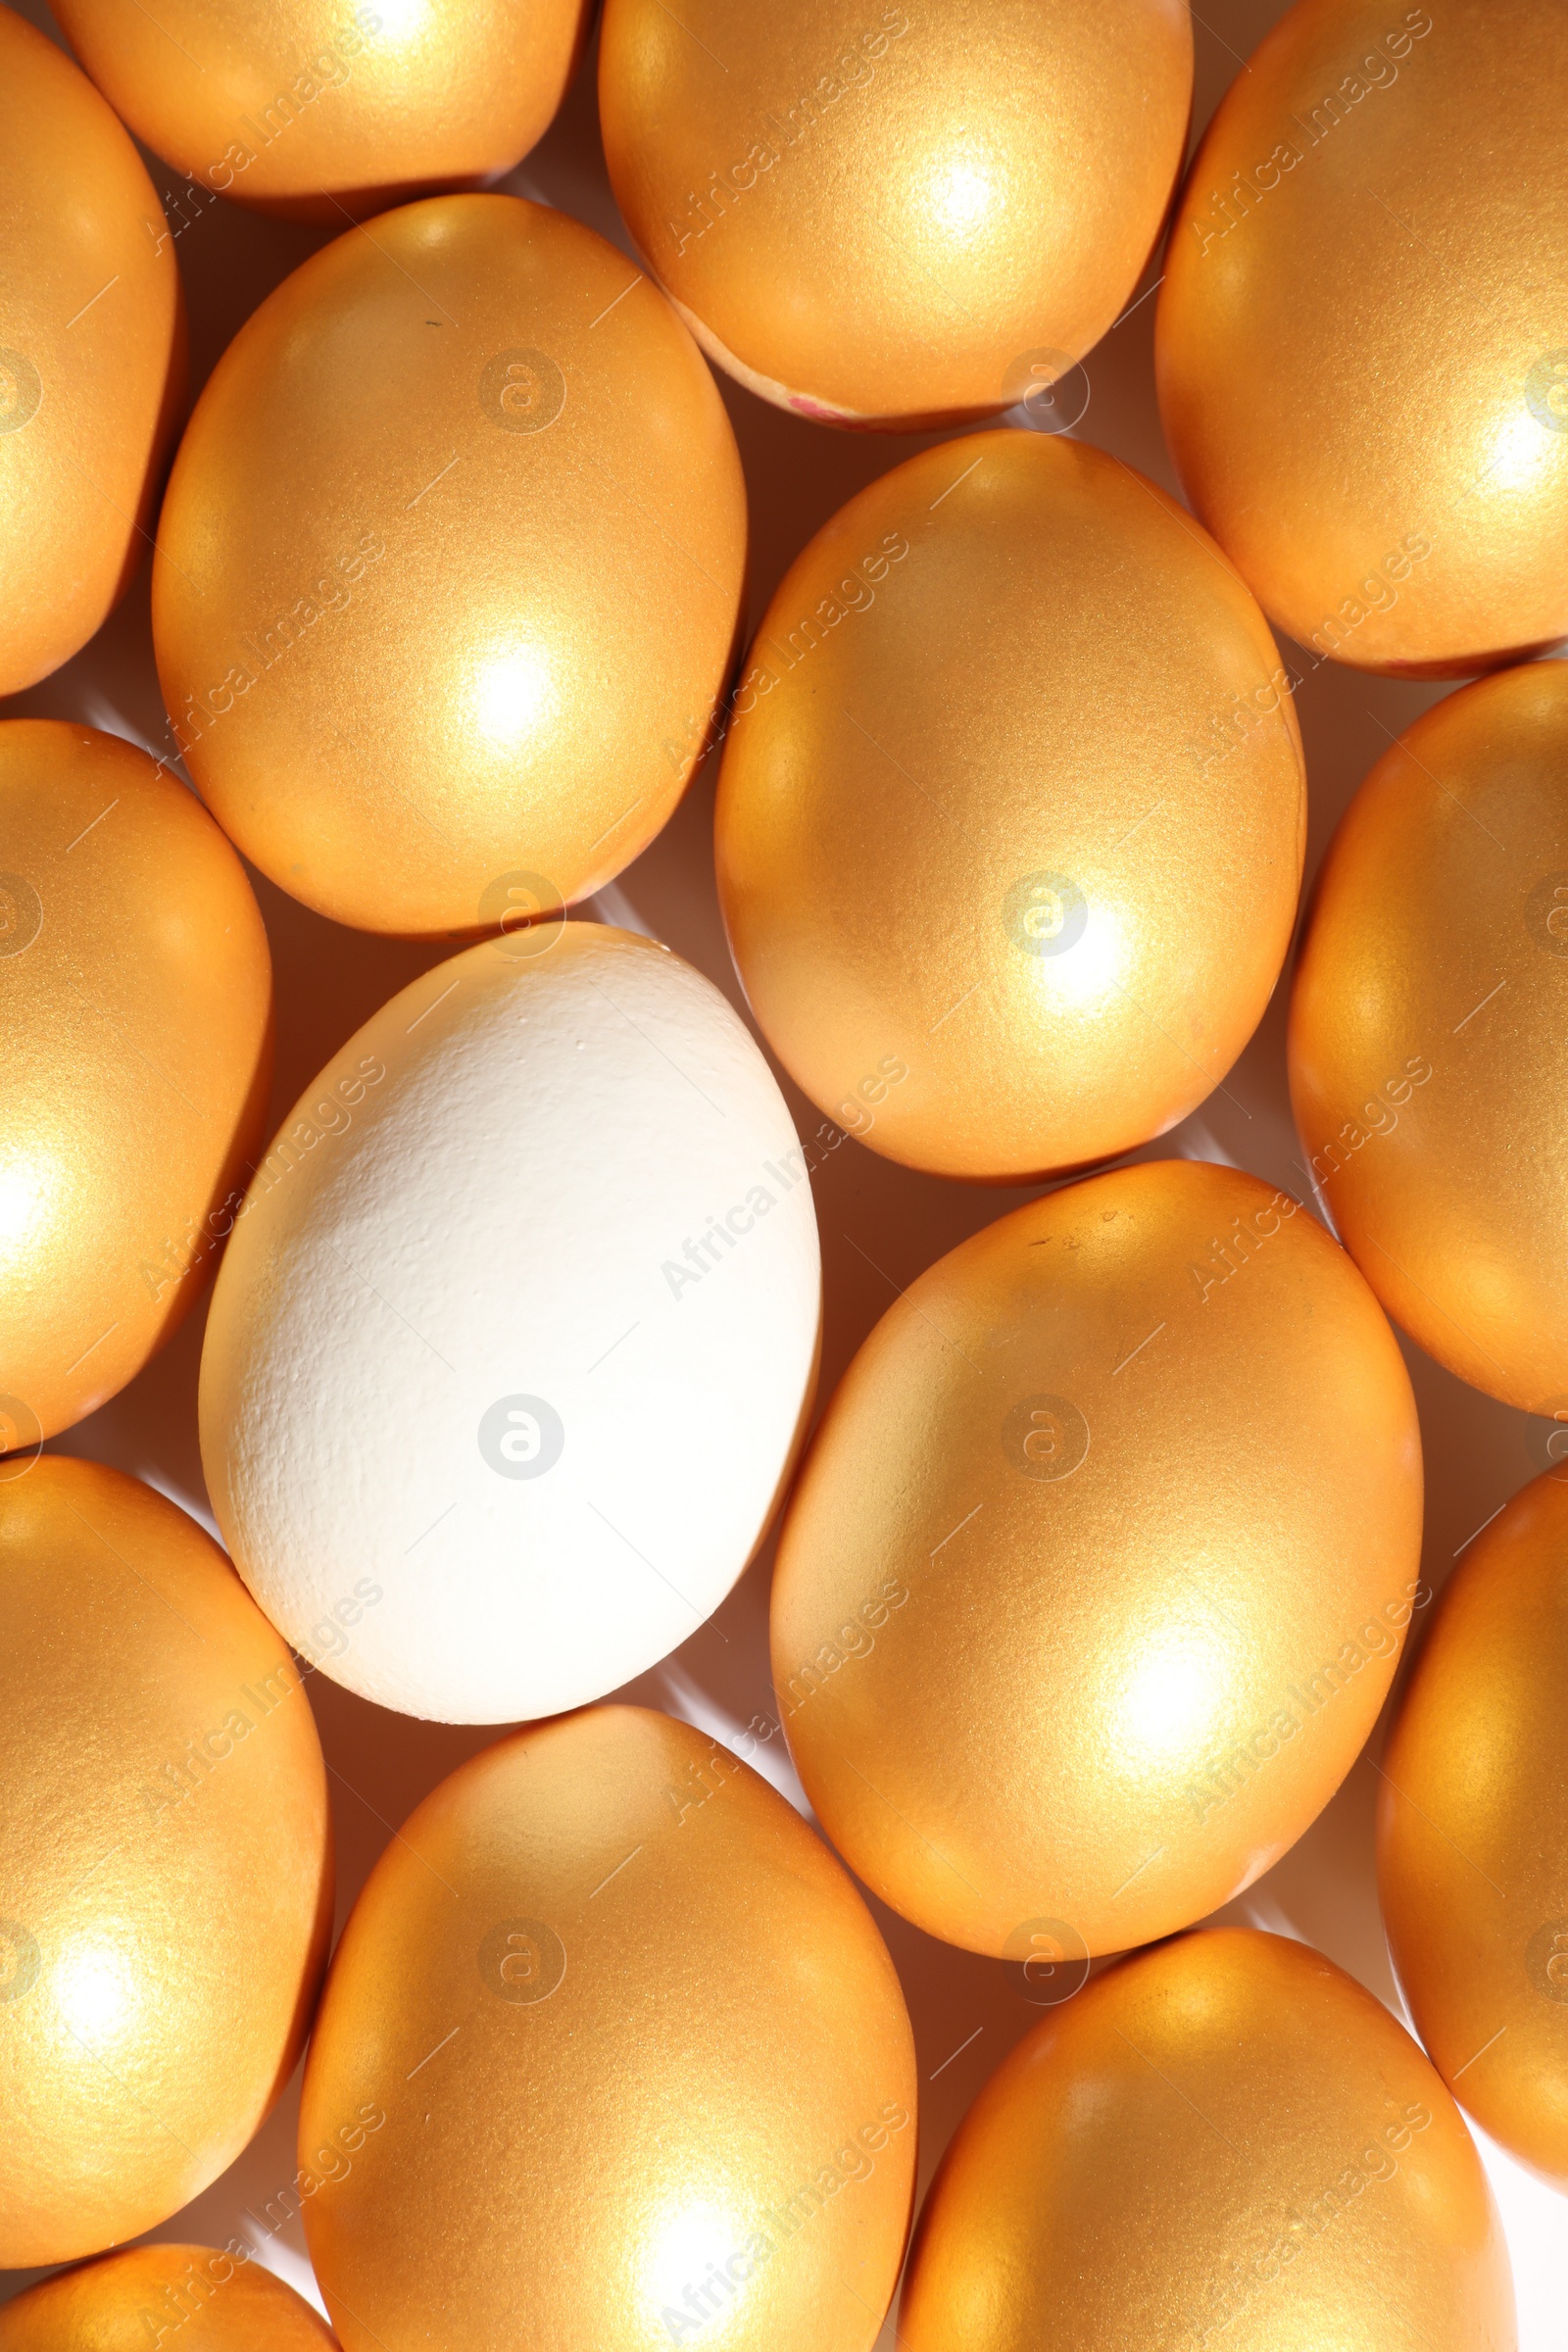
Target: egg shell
(1098, 1571)
(1225, 2142)
(1011, 816)
(1429, 1034)
(166, 1861)
(892, 216)
(130, 2302)
(93, 360)
(517, 1332)
(630, 2030)
(136, 1059)
(1363, 383)
(467, 445)
(325, 110)
(1473, 1831)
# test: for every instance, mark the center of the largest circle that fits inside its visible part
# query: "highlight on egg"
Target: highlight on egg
(1427, 1039)
(1226, 2141)
(1099, 1566)
(900, 217)
(1473, 1831)
(215, 2299)
(165, 1855)
(518, 1325)
(469, 445)
(93, 361)
(611, 2056)
(136, 1059)
(1357, 206)
(1008, 876)
(325, 109)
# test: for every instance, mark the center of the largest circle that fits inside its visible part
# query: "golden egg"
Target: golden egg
(1012, 811)
(452, 554)
(892, 216)
(166, 1860)
(1224, 2143)
(92, 355)
(1473, 1831)
(135, 1056)
(324, 109)
(1121, 1504)
(180, 2299)
(1429, 1034)
(1362, 343)
(610, 2058)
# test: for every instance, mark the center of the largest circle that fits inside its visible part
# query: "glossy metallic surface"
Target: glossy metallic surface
(1099, 1568)
(1012, 811)
(1226, 2142)
(200, 2297)
(165, 1856)
(1429, 1034)
(1362, 343)
(92, 355)
(135, 1055)
(450, 569)
(611, 2057)
(1473, 1831)
(895, 216)
(325, 109)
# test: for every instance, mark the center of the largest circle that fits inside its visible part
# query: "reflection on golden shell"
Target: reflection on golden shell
(325, 109)
(1429, 1034)
(1362, 343)
(166, 1861)
(898, 216)
(135, 1056)
(1012, 811)
(450, 569)
(610, 2054)
(1225, 2142)
(92, 355)
(1473, 1831)
(1099, 1565)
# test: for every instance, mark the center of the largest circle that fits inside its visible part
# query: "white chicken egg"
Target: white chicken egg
(516, 1337)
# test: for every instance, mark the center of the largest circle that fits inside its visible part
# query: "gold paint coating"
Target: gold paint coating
(92, 355)
(1429, 1033)
(1473, 1831)
(135, 1056)
(200, 2295)
(323, 109)
(165, 1859)
(627, 2026)
(895, 216)
(1225, 2142)
(1011, 816)
(1097, 1570)
(1362, 342)
(450, 569)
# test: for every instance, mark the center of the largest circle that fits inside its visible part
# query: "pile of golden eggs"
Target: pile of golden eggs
(1095, 1572)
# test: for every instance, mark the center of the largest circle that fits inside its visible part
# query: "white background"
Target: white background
(329, 980)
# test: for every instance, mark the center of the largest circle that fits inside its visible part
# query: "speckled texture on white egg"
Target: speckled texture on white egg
(515, 1337)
